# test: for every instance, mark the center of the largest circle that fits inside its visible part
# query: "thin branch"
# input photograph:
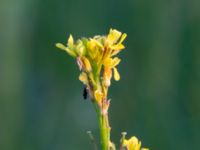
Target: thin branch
(92, 139)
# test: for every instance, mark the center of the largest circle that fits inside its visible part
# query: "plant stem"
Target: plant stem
(102, 114)
(104, 129)
(105, 132)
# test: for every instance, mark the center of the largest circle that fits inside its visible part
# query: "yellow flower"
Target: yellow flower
(113, 36)
(114, 40)
(109, 64)
(96, 60)
(112, 62)
(132, 144)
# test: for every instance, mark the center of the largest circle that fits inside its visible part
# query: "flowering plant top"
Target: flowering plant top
(97, 60)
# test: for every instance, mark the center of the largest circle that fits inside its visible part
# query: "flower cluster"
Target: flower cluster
(97, 61)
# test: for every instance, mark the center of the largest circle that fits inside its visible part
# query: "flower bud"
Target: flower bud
(107, 75)
(98, 96)
(67, 49)
(86, 64)
(83, 78)
(70, 42)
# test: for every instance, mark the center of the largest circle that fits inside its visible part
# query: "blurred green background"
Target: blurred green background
(157, 98)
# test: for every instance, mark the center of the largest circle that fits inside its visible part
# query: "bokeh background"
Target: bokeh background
(157, 98)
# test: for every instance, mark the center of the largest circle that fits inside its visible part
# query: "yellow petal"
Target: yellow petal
(116, 74)
(111, 62)
(123, 38)
(113, 36)
(117, 47)
(83, 78)
(86, 63)
(115, 61)
(68, 50)
(91, 45)
(108, 62)
(144, 149)
(115, 52)
(97, 43)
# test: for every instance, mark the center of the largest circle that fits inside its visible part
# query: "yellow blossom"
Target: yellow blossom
(115, 39)
(111, 62)
(97, 61)
(132, 144)
(115, 61)
(113, 36)
(95, 58)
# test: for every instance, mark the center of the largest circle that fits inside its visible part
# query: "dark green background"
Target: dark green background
(157, 98)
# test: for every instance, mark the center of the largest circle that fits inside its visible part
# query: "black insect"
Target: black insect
(85, 92)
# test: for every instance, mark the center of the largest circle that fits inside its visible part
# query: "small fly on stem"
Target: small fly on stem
(85, 93)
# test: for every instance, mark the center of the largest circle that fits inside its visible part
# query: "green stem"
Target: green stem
(104, 128)
(105, 132)
(102, 114)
